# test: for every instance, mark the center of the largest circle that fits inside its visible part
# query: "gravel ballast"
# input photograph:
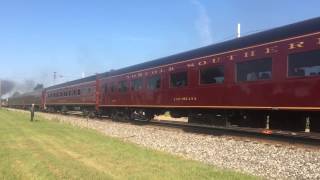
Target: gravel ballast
(272, 161)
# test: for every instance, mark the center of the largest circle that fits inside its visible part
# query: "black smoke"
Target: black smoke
(6, 86)
(10, 87)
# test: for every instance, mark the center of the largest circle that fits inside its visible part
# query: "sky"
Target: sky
(78, 37)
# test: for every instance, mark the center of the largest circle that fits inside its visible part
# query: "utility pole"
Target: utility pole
(54, 77)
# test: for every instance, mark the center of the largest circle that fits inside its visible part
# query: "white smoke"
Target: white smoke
(202, 23)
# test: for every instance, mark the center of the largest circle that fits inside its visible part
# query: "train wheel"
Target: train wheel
(85, 112)
(141, 115)
(92, 114)
(64, 110)
(117, 115)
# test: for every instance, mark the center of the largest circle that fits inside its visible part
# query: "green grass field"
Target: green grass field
(51, 150)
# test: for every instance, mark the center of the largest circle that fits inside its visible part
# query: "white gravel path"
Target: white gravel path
(268, 160)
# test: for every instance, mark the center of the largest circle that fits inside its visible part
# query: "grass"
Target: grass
(51, 150)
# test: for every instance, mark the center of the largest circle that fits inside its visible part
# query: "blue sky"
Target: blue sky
(73, 37)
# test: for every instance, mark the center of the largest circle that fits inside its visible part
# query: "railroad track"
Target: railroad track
(303, 138)
(306, 138)
(262, 134)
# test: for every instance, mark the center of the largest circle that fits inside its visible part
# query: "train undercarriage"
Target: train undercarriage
(295, 121)
(86, 110)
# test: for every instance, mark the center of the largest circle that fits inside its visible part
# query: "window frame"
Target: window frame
(105, 88)
(254, 81)
(299, 77)
(120, 90)
(212, 66)
(147, 82)
(113, 87)
(176, 72)
(132, 83)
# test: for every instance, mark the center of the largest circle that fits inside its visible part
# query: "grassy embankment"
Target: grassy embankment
(51, 150)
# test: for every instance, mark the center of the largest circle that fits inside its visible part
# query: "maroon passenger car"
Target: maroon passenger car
(74, 95)
(25, 100)
(231, 83)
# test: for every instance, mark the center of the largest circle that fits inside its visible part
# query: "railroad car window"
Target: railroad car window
(89, 90)
(74, 93)
(123, 86)
(79, 91)
(254, 70)
(179, 79)
(212, 75)
(154, 82)
(60, 93)
(136, 84)
(105, 88)
(304, 64)
(69, 93)
(113, 87)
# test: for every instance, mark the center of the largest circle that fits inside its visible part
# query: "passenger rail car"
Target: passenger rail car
(268, 80)
(78, 95)
(269, 77)
(25, 101)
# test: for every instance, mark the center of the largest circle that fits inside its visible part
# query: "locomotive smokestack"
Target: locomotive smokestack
(238, 30)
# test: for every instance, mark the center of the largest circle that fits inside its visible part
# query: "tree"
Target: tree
(6, 86)
(15, 94)
(38, 87)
